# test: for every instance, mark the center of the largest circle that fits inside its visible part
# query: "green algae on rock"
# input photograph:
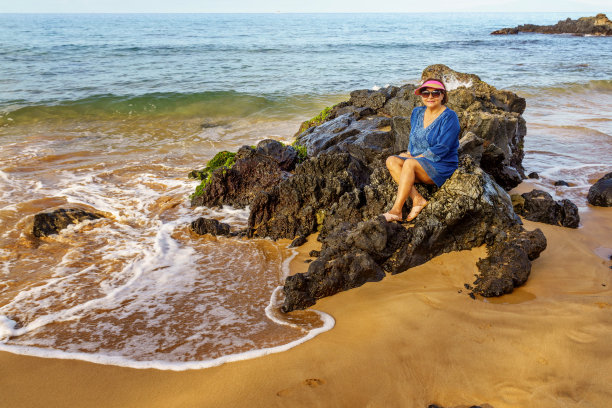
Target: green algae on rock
(316, 121)
(221, 159)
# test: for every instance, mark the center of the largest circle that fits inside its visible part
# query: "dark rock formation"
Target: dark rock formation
(343, 187)
(299, 241)
(533, 175)
(599, 25)
(506, 31)
(285, 156)
(508, 263)
(469, 210)
(210, 226)
(368, 139)
(471, 145)
(461, 406)
(539, 206)
(255, 170)
(600, 193)
(373, 124)
(562, 183)
(298, 205)
(49, 223)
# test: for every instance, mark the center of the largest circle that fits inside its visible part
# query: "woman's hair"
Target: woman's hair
(444, 94)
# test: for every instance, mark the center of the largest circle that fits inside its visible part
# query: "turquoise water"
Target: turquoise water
(47, 59)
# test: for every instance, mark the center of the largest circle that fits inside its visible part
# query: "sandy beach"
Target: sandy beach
(411, 340)
(110, 112)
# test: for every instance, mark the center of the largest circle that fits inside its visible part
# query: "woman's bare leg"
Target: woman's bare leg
(406, 173)
(394, 165)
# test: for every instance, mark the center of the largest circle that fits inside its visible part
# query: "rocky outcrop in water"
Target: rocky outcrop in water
(469, 210)
(600, 193)
(211, 226)
(255, 169)
(49, 223)
(599, 25)
(343, 187)
(304, 203)
(539, 206)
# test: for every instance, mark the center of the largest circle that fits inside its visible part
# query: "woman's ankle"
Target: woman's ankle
(420, 201)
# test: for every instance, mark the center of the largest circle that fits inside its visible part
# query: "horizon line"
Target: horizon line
(299, 12)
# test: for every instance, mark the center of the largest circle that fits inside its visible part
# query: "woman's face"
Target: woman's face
(432, 97)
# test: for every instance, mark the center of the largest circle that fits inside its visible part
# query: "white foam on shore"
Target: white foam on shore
(157, 273)
(274, 304)
(237, 217)
(328, 323)
(7, 328)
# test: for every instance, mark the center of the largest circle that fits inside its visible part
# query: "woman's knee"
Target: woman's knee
(409, 165)
(392, 162)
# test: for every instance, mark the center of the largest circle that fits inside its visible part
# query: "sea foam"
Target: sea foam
(7, 328)
(160, 269)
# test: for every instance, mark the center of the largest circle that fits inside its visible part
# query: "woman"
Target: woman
(432, 151)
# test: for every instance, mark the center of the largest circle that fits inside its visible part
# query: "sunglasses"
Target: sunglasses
(435, 94)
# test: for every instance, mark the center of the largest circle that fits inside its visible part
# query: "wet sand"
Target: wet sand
(411, 340)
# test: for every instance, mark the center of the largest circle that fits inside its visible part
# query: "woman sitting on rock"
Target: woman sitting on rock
(432, 151)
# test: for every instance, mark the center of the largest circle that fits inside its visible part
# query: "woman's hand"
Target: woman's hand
(408, 155)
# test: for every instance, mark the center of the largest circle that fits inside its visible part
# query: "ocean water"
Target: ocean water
(111, 112)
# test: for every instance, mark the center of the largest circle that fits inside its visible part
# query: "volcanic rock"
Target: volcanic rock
(368, 139)
(469, 210)
(255, 170)
(508, 263)
(285, 156)
(211, 226)
(506, 31)
(297, 206)
(299, 241)
(373, 124)
(461, 406)
(343, 187)
(539, 206)
(49, 223)
(472, 145)
(600, 193)
(599, 25)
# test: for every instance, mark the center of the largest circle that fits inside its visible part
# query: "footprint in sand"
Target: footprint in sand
(309, 382)
(581, 336)
(512, 393)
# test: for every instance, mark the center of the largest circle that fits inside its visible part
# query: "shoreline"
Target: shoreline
(409, 340)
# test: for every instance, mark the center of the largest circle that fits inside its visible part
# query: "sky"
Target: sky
(588, 7)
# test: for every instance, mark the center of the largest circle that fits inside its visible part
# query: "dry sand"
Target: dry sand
(408, 341)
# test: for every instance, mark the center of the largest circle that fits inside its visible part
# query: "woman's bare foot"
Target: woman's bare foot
(417, 207)
(389, 216)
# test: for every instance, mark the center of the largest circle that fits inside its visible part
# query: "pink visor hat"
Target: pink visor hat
(432, 83)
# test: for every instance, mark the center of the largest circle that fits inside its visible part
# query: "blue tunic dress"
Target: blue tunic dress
(438, 143)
